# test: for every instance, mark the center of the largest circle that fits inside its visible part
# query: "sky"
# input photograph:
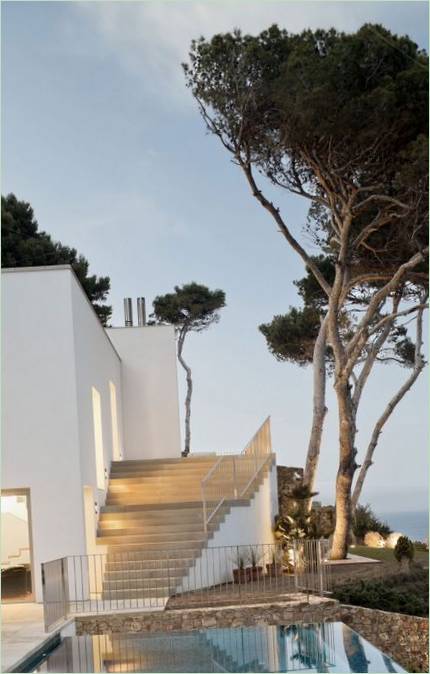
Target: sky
(102, 137)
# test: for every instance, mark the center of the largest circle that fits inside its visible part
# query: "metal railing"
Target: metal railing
(83, 584)
(55, 584)
(232, 476)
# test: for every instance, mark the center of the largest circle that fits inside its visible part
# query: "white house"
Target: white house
(77, 397)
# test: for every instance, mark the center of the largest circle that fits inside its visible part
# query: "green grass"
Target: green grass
(385, 555)
(400, 593)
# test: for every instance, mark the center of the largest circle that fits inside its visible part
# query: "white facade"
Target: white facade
(149, 383)
(72, 403)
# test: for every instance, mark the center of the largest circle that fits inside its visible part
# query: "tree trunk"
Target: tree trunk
(319, 410)
(410, 381)
(345, 472)
(187, 443)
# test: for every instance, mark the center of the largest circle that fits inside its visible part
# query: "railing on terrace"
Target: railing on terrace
(112, 582)
(233, 475)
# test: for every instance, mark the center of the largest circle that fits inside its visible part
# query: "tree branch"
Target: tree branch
(418, 367)
(246, 167)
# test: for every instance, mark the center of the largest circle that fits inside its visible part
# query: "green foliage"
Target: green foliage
(400, 593)
(404, 549)
(365, 520)
(321, 112)
(190, 307)
(299, 523)
(291, 337)
(308, 287)
(23, 245)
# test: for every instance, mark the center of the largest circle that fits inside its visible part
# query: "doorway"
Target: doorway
(16, 546)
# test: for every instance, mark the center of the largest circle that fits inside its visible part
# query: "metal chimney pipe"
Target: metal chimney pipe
(128, 312)
(141, 311)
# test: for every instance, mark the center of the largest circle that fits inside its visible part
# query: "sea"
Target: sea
(414, 525)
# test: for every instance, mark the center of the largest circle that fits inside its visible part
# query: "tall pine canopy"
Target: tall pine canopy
(23, 245)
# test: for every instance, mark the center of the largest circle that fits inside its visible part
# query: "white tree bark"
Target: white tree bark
(187, 442)
(319, 409)
(419, 365)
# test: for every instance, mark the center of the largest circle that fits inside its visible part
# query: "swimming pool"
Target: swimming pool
(321, 647)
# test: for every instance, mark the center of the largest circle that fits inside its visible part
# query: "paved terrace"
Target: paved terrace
(23, 632)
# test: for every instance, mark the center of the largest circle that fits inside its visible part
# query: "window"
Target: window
(116, 452)
(98, 439)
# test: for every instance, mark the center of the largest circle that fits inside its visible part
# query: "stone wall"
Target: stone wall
(287, 479)
(405, 638)
(402, 637)
(324, 517)
(296, 610)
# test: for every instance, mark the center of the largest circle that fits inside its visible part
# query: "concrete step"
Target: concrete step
(189, 460)
(152, 547)
(130, 479)
(147, 539)
(149, 509)
(165, 511)
(141, 583)
(137, 593)
(150, 499)
(134, 526)
(150, 560)
(175, 571)
(162, 469)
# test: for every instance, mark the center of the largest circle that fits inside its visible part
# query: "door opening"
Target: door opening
(16, 546)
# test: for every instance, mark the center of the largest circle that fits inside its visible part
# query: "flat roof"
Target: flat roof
(63, 267)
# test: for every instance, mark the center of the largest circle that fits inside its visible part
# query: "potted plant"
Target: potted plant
(275, 567)
(256, 571)
(240, 574)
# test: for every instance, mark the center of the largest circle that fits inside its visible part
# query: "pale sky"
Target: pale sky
(101, 136)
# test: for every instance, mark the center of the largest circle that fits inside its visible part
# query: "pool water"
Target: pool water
(322, 647)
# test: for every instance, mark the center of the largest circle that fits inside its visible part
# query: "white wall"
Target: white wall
(150, 391)
(40, 442)
(54, 350)
(97, 363)
(243, 525)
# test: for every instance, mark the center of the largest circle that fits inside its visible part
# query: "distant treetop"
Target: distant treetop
(23, 245)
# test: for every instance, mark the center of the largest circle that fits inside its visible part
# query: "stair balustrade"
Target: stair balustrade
(232, 476)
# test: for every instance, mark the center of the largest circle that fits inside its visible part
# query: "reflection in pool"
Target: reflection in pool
(322, 647)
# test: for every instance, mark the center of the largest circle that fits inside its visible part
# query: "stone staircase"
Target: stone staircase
(153, 523)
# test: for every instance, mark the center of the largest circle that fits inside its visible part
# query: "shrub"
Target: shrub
(365, 520)
(404, 549)
(399, 593)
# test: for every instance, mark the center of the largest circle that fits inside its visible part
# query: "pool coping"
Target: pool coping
(52, 639)
(199, 614)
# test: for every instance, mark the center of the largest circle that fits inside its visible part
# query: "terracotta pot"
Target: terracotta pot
(241, 576)
(274, 569)
(255, 572)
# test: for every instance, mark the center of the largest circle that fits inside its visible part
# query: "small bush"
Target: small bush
(400, 593)
(404, 549)
(365, 520)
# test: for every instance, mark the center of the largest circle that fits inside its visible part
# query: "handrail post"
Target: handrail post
(320, 567)
(205, 524)
(65, 585)
(234, 477)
